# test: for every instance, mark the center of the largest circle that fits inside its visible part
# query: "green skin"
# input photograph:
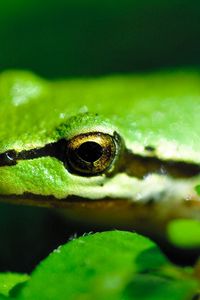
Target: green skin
(159, 110)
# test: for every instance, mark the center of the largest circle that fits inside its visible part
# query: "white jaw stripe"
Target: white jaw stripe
(152, 188)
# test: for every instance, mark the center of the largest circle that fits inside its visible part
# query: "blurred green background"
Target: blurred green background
(71, 38)
(58, 38)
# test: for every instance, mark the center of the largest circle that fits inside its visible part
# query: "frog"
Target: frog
(116, 150)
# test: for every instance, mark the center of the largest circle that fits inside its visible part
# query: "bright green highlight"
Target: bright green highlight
(112, 265)
(184, 233)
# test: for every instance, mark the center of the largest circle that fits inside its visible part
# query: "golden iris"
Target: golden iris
(91, 153)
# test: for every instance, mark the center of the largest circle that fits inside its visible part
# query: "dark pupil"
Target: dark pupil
(90, 151)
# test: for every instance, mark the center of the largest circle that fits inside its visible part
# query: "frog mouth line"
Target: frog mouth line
(134, 165)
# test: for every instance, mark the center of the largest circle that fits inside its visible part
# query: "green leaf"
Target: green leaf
(197, 188)
(111, 265)
(9, 280)
(184, 233)
(151, 287)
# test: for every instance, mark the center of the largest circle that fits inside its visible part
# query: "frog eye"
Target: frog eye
(91, 154)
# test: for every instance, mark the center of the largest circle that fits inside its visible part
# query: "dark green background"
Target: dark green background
(59, 38)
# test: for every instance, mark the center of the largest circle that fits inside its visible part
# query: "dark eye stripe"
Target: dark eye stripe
(132, 164)
(139, 166)
(87, 154)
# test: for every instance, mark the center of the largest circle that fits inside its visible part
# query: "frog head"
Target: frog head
(126, 146)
